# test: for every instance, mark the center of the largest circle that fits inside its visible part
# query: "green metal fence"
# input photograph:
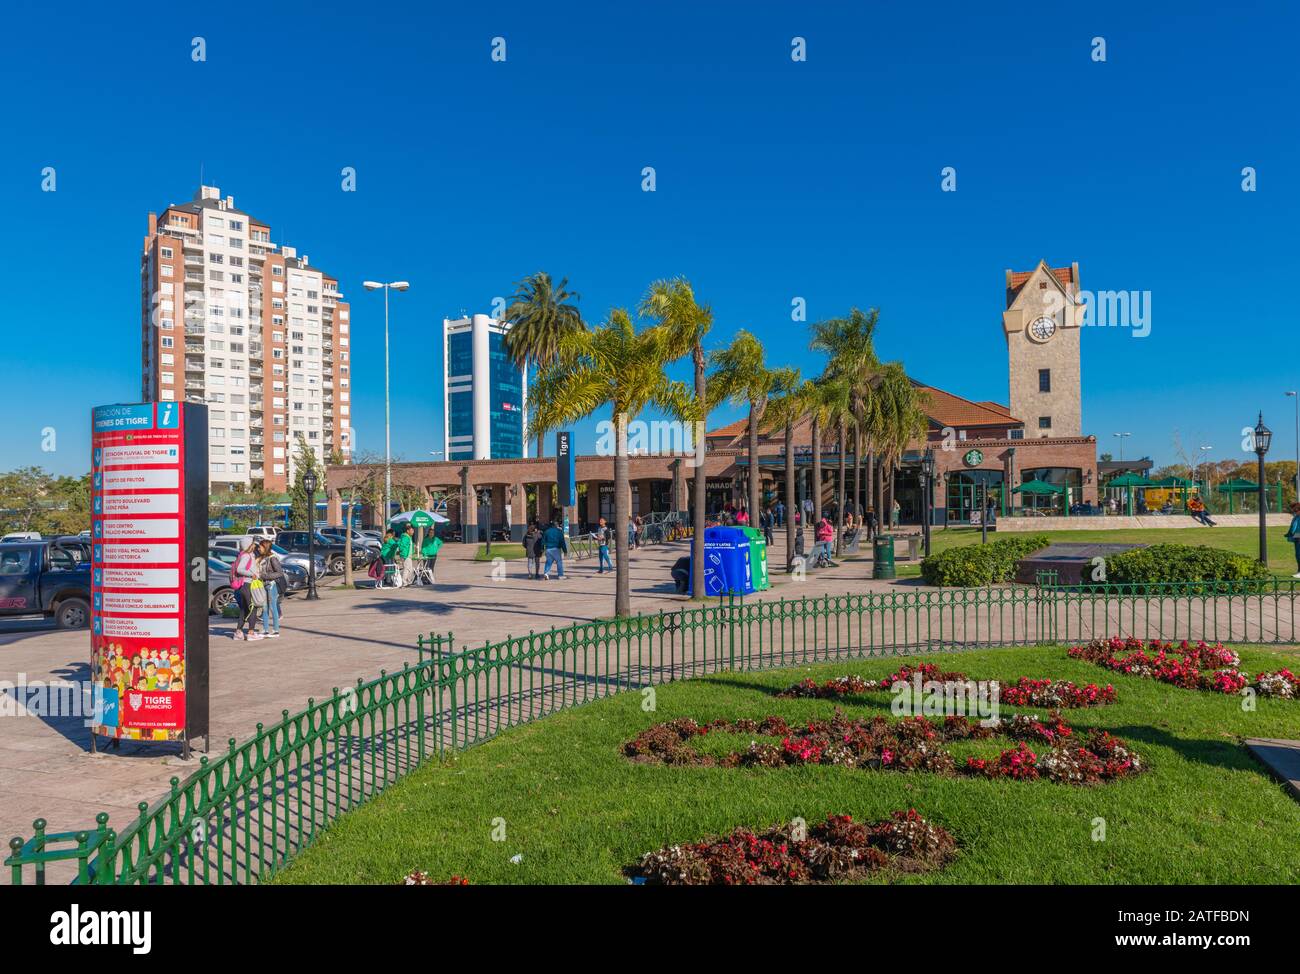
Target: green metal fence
(245, 813)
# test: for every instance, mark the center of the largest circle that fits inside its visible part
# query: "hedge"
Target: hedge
(1183, 563)
(981, 564)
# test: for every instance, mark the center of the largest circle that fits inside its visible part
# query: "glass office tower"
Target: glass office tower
(485, 396)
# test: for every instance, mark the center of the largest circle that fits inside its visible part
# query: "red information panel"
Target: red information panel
(139, 571)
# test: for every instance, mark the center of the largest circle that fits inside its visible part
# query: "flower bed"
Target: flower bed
(417, 878)
(1192, 666)
(913, 744)
(835, 850)
(1024, 692)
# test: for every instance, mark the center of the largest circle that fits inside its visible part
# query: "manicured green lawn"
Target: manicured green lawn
(576, 811)
(1244, 541)
(500, 549)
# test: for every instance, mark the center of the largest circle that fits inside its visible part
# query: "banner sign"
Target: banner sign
(149, 588)
(566, 477)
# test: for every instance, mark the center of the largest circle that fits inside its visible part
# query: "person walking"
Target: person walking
(1196, 508)
(766, 520)
(275, 582)
(778, 513)
(1293, 535)
(825, 537)
(242, 574)
(533, 548)
(429, 551)
(897, 510)
(602, 546)
(556, 548)
(405, 548)
(631, 533)
(870, 519)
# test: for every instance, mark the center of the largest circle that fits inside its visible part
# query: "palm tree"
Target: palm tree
(672, 304)
(899, 417)
(741, 376)
(541, 313)
(618, 366)
(789, 406)
(850, 344)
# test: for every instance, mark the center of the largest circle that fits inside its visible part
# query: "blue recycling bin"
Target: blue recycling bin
(727, 569)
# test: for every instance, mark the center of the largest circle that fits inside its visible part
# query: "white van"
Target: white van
(268, 531)
(21, 536)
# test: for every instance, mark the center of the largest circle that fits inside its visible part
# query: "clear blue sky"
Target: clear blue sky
(776, 179)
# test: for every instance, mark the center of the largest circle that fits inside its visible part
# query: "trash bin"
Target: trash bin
(882, 553)
(757, 559)
(726, 562)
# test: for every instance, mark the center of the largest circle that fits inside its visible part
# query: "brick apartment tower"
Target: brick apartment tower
(250, 328)
(1042, 325)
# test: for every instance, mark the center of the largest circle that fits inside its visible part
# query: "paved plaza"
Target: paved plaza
(48, 770)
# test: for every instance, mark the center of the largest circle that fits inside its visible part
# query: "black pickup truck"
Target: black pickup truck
(50, 578)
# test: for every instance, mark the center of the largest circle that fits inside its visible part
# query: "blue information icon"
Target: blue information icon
(98, 456)
(99, 529)
(99, 479)
(168, 416)
(99, 552)
(99, 575)
(99, 626)
(99, 601)
(99, 504)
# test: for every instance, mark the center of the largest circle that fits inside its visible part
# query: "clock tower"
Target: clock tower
(1042, 326)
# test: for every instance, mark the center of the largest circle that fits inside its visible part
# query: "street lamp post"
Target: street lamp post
(1296, 395)
(388, 429)
(1263, 437)
(1120, 437)
(927, 486)
(309, 485)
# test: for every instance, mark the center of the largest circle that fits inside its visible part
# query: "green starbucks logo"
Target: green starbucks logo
(973, 458)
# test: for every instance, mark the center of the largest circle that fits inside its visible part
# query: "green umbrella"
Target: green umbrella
(1037, 487)
(1129, 480)
(1235, 486)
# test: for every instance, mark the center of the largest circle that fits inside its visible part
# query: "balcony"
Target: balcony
(194, 384)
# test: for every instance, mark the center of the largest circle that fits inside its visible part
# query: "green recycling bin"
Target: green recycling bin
(882, 553)
(757, 559)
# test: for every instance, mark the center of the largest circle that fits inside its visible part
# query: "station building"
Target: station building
(977, 446)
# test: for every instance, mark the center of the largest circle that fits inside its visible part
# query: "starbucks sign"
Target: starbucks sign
(973, 458)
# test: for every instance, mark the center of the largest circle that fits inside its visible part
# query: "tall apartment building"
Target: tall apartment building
(484, 394)
(250, 328)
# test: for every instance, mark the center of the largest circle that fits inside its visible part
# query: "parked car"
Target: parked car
(50, 578)
(238, 542)
(359, 538)
(220, 594)
(292, 562)
(21, 536)
(333, 551)
(265, 531)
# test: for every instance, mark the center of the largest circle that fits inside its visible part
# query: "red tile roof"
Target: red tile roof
(946, 409)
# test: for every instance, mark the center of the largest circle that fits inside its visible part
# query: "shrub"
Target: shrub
(1183, 563)
(984, 564)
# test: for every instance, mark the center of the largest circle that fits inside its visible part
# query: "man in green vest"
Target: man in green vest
(405, 545)
(429, 551)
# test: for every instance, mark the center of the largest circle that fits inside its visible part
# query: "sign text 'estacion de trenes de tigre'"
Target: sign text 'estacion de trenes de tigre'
(139, 572)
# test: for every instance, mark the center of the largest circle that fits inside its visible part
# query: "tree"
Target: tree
(740, 375)
(616, 366)
(542, 314)
(850, 344)
(301, 518)
(672, 303)
(789, 406)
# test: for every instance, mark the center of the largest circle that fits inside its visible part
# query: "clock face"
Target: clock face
(1042, 329)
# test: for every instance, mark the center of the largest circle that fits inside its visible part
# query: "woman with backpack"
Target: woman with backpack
(243, 573)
